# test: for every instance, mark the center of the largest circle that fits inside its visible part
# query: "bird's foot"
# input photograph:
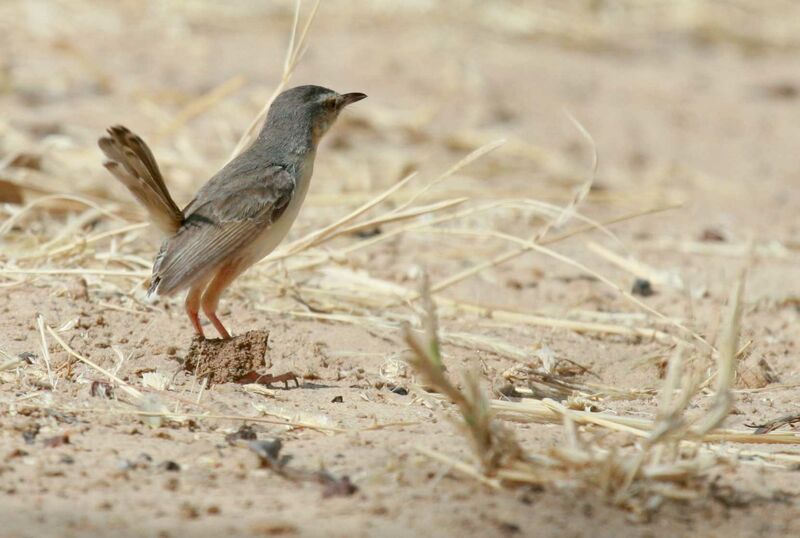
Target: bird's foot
(269, 379)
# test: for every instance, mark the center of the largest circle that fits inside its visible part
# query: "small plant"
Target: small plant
(668, 461)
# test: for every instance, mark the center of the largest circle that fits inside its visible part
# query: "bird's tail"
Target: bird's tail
(132, 162)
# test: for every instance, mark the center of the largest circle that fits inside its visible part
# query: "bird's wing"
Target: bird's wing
(227, 214)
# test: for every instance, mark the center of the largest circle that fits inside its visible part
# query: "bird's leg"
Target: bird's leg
(210, 301)
(193, 307)
(212, 294)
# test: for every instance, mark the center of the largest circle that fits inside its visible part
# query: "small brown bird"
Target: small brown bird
(242, 213)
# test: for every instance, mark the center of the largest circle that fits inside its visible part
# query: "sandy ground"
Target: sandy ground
(709, 125)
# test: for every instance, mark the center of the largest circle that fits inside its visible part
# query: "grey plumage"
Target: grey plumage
(246, 196)
(242, 212)
(219, 222)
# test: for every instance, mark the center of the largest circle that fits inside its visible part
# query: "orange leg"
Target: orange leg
(193, 307)
(211, 296)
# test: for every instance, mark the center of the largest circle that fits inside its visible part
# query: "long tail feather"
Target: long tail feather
(133, 164)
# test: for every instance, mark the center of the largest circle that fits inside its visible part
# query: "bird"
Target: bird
(242, 213)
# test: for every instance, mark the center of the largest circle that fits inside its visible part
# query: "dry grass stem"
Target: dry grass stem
(665, 462)
(294, 53)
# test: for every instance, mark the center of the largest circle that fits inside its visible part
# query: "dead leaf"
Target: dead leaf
(10, 193)
(56, 441)
(336, 487)
(32, 161)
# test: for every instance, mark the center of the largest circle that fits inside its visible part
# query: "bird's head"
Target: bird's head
(308, 111)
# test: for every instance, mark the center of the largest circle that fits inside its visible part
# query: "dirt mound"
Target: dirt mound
(228, 361)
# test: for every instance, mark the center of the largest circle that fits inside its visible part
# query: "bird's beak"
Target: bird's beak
(349, 98)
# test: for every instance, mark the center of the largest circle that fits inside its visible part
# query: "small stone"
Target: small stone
(268, 452)
(78, 289)
(57, 440)
(28, 357)
(169, 465)
(29, 435)
(712, 235)
(189, 511)
(402, 391)
(125, 465)
(642, 287)
(337, 487)
(101, 389)
(244, 433)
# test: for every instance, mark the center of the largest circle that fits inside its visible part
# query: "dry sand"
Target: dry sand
(697, 108)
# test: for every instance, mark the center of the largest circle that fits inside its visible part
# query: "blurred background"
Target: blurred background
(668, 89)
(688, 101)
